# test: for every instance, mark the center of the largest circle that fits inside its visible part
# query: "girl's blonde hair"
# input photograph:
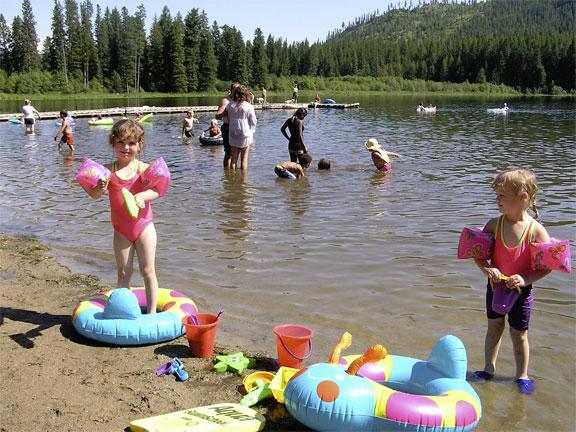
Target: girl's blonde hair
(519, 181)
(127, 128)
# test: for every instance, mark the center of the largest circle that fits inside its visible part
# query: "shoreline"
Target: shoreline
(54, 379)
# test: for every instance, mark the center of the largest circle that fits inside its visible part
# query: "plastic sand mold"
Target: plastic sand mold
(249, 381)
(280, 380)
(224, 417)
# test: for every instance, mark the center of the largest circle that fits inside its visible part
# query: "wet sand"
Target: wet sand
(55, 380)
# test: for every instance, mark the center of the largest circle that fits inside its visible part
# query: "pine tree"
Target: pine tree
(90, 59)
(208, 64)
(155, 66)
(26, 59)
(5, 44)
(56, 55)
(113, 79)
(75, 51)
(178, 81)
(102, 46)
(140, 36)
(259, 60)
(232, 60)
(192, 36)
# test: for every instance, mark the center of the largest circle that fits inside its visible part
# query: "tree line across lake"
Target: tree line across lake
(494, 46)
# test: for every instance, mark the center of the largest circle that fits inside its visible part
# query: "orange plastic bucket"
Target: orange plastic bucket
(201, 337)
(294, 344)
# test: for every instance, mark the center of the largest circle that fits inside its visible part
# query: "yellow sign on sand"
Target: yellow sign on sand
(224, 417)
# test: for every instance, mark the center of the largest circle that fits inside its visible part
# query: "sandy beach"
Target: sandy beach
(55, 380)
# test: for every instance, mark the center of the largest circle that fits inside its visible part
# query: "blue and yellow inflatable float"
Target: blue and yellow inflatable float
(387, 392)
(116, 316)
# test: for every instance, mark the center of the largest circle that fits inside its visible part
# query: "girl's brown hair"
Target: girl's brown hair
(519, 181)
(241, 93)
(127, 128)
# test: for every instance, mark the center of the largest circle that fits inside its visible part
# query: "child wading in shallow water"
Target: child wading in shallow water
(513, 233)
(293, 169)
(131, 235)
(66, 131)
(380, 157)
(188, 125)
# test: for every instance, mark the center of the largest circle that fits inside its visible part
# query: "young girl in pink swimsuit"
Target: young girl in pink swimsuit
(513, 232)
(131, 235)
(380, 157)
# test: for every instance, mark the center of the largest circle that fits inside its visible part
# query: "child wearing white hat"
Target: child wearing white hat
(380, 157)
(214, 130)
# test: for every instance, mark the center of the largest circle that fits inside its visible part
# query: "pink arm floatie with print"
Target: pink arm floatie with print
(157, 177)
(90, 173)
(551, 256)
(474, 243)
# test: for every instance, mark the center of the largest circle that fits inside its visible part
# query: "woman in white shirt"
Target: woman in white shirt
(29, 111)
(242, 124)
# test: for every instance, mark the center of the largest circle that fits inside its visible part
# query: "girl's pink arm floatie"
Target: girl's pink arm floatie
(90, 172)
(474, 243)
(157, 177)
(551, 256)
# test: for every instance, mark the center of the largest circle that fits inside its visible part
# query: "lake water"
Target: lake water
(348, 249)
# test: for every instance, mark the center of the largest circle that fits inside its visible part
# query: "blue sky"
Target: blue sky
(294, 20)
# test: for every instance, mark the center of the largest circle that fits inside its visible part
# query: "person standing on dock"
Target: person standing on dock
(264, 96)
(29, 111)
(222, 114)
(295, 93)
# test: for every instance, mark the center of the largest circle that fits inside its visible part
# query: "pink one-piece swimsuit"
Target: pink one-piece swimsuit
(379, 161)
(512, 259)
(121, 220)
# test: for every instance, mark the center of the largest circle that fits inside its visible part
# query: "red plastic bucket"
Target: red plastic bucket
(201, 337)
(294, 344)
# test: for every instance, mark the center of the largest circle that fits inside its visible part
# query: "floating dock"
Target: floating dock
(131, 111)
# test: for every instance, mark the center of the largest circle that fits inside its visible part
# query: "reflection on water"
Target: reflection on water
(349, 249)
(236, 203)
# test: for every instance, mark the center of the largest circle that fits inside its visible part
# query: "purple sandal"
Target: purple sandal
(526, 386)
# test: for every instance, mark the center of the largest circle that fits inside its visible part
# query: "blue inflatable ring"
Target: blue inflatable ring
(397, 393)
(116, 317)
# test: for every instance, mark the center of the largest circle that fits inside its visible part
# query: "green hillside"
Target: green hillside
(474, 19)
(528, 44)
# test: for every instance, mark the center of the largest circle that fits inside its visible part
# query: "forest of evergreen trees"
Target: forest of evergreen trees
(528, 45)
